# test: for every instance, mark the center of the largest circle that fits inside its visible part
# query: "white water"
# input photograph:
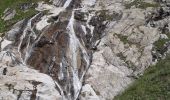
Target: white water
(90, 26)
(73, 49)
(75, 45)
(27, 31)
(85, 54)
(28, 50)
(61, 74)
(67, 3)
(54, 11)
(84, 29)
(61, 90)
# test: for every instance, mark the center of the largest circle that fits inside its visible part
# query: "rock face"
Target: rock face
(8, 14)
(81, 49)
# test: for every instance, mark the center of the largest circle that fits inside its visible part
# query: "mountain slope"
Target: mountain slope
(153, 85)
(79, 49)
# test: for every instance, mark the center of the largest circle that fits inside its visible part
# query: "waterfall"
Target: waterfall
(73, 46)
(42, 45)
(67, 3)
(27, 31)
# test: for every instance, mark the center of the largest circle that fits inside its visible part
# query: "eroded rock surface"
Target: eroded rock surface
(82, 49)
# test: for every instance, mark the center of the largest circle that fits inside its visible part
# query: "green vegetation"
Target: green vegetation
(122, 38)
(153, 85)
(105, 15)
(20, 14)
(141, 4)
(159, 45)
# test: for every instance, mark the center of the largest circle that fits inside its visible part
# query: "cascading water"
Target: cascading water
(59, 49)
(78, 49)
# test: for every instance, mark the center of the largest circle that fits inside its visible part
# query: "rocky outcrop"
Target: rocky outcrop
(60, 46)
(81, 49)
(8, 14)
(127, 49)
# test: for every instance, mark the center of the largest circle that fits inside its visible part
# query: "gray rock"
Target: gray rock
(15, 31)
(9, 14)
(115, 49)
(88, 93)
(25, 6)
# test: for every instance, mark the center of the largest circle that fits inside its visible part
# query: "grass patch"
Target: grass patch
(159, 45)
(122, 38)
(153, 85)
(106, 15)
(141, 4)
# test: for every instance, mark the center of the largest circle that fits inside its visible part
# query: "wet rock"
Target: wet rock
(54, 18)
(4, 71)
(16, 30)
(80, 49)
(160, 14)
(81, 16)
